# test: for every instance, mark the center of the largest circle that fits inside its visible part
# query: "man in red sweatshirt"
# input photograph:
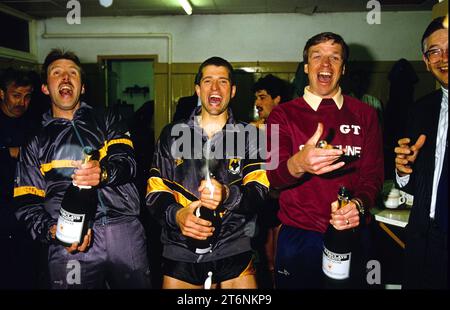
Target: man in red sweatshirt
(310, 177)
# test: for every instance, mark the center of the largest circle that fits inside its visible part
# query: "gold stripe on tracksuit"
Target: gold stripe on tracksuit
(67, 163)
(104, 150)
(259, 176)
(54, 164)
(25, 190)
(249, 270)
(156, 184)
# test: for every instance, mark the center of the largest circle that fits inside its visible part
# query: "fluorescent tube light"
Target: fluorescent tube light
(186, 6)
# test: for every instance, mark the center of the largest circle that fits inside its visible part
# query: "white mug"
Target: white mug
(394, 199)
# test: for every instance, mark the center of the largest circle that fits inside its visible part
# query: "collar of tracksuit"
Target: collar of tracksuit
(192, 121)
(48, 118)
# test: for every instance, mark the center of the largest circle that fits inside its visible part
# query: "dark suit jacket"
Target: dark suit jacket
(185, 106)
(423, 119)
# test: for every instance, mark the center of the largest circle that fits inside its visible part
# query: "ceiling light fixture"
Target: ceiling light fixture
(106, 3)
(186, 6)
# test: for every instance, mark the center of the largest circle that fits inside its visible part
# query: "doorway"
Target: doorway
(128, 82)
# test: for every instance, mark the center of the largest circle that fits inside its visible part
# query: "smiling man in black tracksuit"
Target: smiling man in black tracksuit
(178, 185)
(114, 249)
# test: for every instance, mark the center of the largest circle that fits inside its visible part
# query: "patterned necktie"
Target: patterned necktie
(441, 212)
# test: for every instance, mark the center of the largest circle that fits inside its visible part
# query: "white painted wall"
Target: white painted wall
(259, 37)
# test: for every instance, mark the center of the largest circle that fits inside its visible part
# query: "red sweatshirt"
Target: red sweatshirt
(306, 203)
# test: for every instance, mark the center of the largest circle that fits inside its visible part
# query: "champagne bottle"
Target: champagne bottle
(77, 211)
(337, 250)
(205, 246)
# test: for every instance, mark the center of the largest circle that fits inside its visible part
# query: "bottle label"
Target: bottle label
(70, 226)
(336, 265)
(202, 251)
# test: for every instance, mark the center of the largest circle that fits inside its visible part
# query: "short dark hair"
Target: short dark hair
(215, 61)
(324, 37)
(273, 85)
(56, 54)
(18, 77)
(435, 25)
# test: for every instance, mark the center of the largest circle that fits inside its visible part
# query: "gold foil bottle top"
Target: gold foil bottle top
(87, 154)
(321, 144)
(343, 196)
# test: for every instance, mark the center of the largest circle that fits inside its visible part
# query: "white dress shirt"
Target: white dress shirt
(314, 100)
(441, 141)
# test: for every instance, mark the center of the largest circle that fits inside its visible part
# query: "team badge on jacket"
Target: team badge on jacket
(234, 166)
(178, 161)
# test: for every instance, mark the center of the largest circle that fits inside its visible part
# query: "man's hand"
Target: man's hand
(192, 226)
(84, 246)
(87, 174)
(205, 194)
(74, 247)
(314, 160)
(53, 231)
(406, 155)
(344, 218)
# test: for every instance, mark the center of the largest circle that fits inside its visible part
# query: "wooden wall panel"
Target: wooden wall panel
(183, 75)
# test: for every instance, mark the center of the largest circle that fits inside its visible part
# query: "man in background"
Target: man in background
(269, 92)
(17, 268)
(185, 107)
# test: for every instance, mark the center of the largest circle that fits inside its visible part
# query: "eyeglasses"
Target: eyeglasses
(434, 55)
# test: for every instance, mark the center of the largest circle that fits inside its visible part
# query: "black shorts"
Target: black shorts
(223, 269)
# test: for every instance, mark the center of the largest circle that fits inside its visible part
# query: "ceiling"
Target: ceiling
(57, 8)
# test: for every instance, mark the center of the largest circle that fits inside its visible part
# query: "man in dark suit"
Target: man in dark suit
(422, 170)
(185, 107)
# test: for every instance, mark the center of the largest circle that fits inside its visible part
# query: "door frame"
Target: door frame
(101, 59)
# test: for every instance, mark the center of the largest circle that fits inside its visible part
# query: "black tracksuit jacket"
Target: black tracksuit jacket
(44, 170)
(174, 181)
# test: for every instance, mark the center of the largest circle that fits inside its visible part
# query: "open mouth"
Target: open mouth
(324, 77)
(215, 100)
(260, 111)
(444, 69)
(65, 90)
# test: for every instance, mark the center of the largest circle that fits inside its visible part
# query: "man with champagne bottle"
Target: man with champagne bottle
(310, 176)
(50, 167)
(216, 170)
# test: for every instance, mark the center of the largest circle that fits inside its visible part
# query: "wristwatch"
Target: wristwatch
(359, 205)
(103, 175)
